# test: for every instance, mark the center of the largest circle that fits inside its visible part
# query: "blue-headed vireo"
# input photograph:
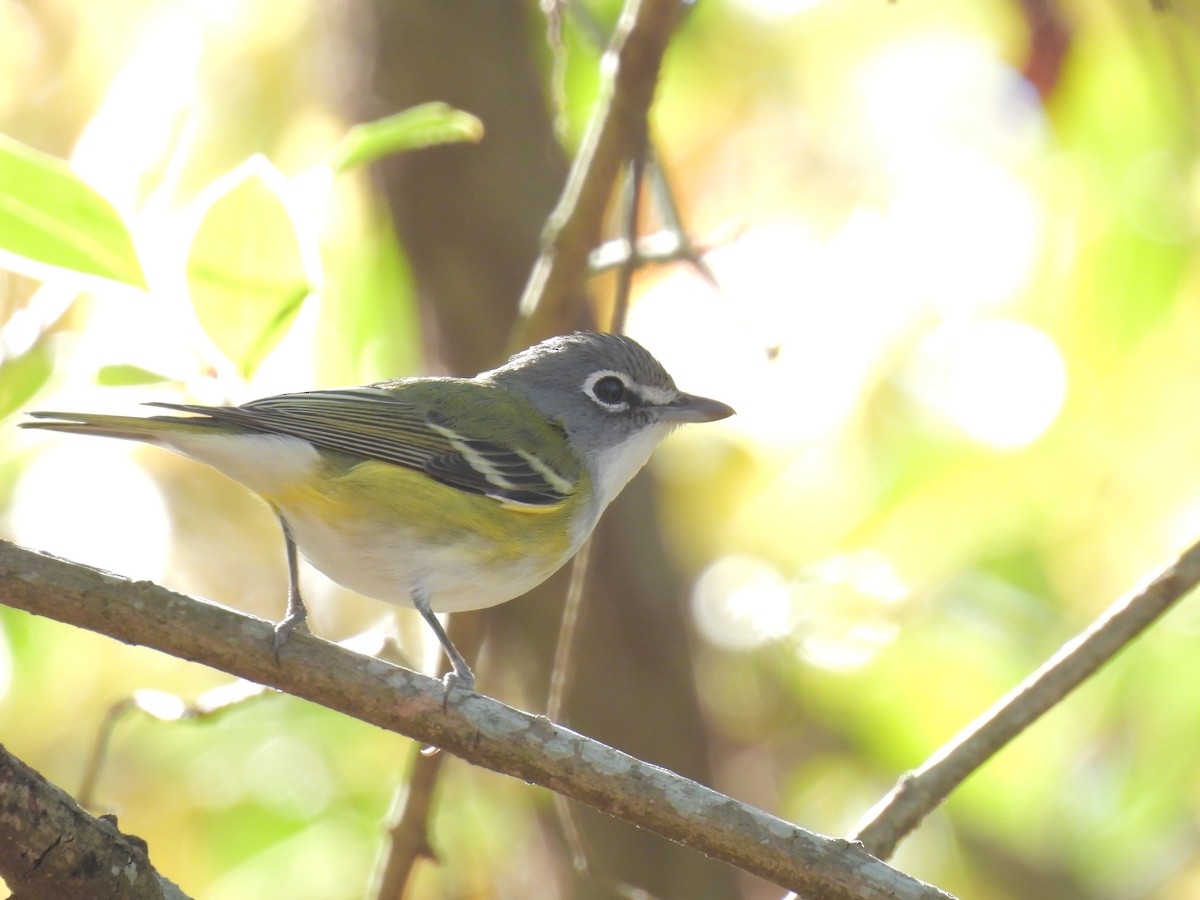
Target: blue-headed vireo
(440, 493)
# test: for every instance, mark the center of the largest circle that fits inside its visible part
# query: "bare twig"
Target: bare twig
(564, 648)
(551, 304)
(568, 629)
(634, 175)
(555, 298)
(473, 727)
(51, 848)
(165, 708)
(408, 836)
(659, 248)
(408, 841)
(668, 210)
(919, 792)
(560, 682)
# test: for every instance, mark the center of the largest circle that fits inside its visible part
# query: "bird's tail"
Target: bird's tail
(150, 429)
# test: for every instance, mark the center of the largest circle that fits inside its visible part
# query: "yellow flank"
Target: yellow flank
(375, 497)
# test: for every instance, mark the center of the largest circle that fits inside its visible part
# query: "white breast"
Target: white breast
(613, 469)
(389, 563)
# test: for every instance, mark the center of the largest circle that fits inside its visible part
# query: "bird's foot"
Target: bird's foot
(456, 680)
(293, 621)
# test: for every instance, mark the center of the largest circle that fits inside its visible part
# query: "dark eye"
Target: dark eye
(609, 390)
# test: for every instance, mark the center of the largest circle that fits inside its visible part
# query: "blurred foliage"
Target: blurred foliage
(246, 272)
(421, 126)
(82, 232)
(959, 253)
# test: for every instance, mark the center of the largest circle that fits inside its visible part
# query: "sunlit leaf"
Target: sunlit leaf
(371, 284)
(21, 377)
(420, 126)
(49, 215)
(246, 270)
(125, 375)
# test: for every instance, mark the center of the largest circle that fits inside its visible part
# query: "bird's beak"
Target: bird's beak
(690, 408)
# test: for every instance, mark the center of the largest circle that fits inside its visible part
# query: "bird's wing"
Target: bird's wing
(407, 424)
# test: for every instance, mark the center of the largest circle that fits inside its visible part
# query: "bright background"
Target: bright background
(959, 315)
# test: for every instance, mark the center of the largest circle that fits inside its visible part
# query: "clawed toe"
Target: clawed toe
(456, 681)
(284, 629)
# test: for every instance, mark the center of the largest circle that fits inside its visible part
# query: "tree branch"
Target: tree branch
(921, 791)
(50, 847)
(617, 132)
(475, 728)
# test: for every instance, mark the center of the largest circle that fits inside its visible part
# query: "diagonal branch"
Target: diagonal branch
(51, 848)
(921, 791)
(476, 728)
(551, 304)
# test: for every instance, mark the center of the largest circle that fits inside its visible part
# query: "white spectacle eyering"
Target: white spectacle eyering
(652, 395)
(589, 388)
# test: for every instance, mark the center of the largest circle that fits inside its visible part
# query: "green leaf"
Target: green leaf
(125, 375)
(21, 377)
(420, 126)
(49, 215)
(246, 268)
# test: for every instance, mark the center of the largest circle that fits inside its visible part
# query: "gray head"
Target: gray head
(609, 394)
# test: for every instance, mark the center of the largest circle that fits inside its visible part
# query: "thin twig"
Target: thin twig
(552, 300)
(668, 209)
(165, 708)
(99, 752)
(560, 683)
(408, 841)
(564, 648)
(633, 208)
(922, 790)
(474, 727)
(660, 248)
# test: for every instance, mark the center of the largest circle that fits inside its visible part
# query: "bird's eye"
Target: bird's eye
(609, 390)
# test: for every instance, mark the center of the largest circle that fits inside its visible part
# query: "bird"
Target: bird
(437, 493)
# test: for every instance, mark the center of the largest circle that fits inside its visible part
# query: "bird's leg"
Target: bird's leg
(297, 615)
(460, 674)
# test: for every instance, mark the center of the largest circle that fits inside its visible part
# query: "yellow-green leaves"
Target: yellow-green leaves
(246, 270)
(250, 260)
(125, 375)
(50, 216)
(419, 126)
(23, 376)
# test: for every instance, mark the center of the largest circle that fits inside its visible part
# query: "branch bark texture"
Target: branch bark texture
(473, 727)
(51, 848)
